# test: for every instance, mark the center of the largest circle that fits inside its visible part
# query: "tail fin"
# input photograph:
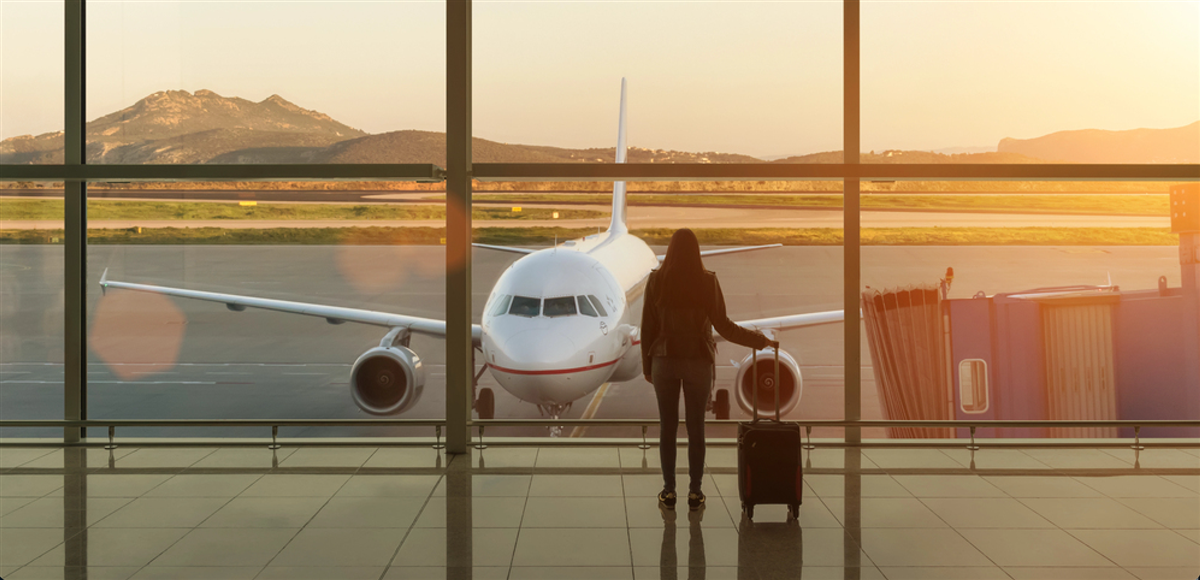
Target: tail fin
(620, 207)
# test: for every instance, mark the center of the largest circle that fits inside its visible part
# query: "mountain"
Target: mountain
(183, 127)
(1178, 145)
(895, 156)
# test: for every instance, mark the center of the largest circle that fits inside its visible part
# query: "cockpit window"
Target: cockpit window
(525, 306)
(562, 306)
(599, 306)
(585, 307)
(501, 305)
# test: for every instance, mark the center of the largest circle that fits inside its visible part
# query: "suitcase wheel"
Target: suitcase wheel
(794, 511)
(749, 509)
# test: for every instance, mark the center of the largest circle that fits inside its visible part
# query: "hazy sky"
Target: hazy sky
(761, 78)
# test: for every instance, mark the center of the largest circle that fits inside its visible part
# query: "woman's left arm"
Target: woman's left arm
(649, 325)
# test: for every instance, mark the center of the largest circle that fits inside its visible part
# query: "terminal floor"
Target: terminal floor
(564, 513)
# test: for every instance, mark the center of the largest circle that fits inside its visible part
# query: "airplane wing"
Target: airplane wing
(722, 251)
(331, 314)
(506, 249)
(790, 322)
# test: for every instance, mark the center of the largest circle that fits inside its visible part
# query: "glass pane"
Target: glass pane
(31, 72)
(266, 82)
(590, 366)
(564, 306)
(1030, 82)
(525, 306)
(1028, 306)
(31, 310)
(713, 82)
(157, 353)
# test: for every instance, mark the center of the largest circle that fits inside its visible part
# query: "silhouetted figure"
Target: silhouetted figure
(683, 304)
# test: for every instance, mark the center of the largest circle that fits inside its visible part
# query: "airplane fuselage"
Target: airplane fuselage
(562, 321)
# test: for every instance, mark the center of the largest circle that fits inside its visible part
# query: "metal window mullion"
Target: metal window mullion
(852, 249)
(74, 224)
(459, 347)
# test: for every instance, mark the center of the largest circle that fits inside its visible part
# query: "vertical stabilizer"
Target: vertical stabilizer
(620, 208)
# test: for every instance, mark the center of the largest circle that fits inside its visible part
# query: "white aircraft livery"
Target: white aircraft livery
(559, 323)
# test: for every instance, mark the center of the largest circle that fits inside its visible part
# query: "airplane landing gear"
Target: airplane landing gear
(554, 410)
(721, 405)
(485, 405)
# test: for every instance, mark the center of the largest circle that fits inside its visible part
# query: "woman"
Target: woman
(683, 304)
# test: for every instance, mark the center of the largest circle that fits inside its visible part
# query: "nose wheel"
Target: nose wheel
(554, 411)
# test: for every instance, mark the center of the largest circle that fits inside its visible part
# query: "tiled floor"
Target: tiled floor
(590, 513)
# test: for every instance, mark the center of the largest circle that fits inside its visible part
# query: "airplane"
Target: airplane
(559, 323)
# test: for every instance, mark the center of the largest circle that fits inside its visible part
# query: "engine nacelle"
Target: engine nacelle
(790, 383)
(387, 380)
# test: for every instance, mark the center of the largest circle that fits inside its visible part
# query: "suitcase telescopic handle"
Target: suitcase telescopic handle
(778, 383)
(754, 378)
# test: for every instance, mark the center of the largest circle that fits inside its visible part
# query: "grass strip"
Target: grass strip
(52, 209)
(545, 236)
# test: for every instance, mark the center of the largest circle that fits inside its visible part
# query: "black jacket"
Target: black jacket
(687, 332)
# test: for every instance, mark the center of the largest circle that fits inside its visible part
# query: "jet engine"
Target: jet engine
(387, 380)
(790, 384)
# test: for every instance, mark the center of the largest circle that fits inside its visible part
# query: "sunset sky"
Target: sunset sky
(760, 78)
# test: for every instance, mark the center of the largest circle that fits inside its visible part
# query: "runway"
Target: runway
(153, 357)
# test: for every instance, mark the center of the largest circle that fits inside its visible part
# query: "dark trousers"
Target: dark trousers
(693, 376)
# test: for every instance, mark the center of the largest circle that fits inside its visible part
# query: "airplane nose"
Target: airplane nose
(536, 350)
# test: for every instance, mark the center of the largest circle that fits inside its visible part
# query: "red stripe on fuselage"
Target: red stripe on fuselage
(554, 371)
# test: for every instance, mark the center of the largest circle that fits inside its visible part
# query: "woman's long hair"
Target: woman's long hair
(682, 274)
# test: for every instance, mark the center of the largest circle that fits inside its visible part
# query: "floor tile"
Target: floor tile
(1038, 486)
(368, 512)
(828, 458)
(72, 573)
(341, 547)
(1193, 535)
(265, 512)
(204, 485)
(226, 547)
(164, 458)
(777, 549)
(163, 512)
(823, 573)
(96, 458)
(948, 486)
(502, 457)
(15, 457)
(576, 486)
(1094, 512)
(439, 573)
(685, 573)
(117, 547)
(320, 573)
(574, 512)
(1136, 486)
(920, 547)
(427, 547)
(980, 512)
(1191, 482)
(1157, 458)
(389, 486)
(572, 547)
(29, 485)
(1162, 573)
(492, 486)
(486, 512)
(397, 457)
(869, 486)
(910, 458)
(197, 573)
(328, 457)
(1033, 548)
(649, 484)
(121, 485)
(47, 512)
(1142, 548)
(721, 457)
(294, 485)
(646, 513)
(726, 484)
(24, 545)
(685, 547)
(244, 457)
(634, 458)
(1078, 459)
(887, 512)
(814, 513)
(1111, 573)
(11, 504)
(594, 457)
(944, 572)
(995, 459)
(572, 573)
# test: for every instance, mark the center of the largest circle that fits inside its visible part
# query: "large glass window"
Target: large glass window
(31, 82)
(266, 82)
(300, 251)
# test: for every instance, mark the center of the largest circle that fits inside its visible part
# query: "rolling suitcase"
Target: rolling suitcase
(769, 467)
